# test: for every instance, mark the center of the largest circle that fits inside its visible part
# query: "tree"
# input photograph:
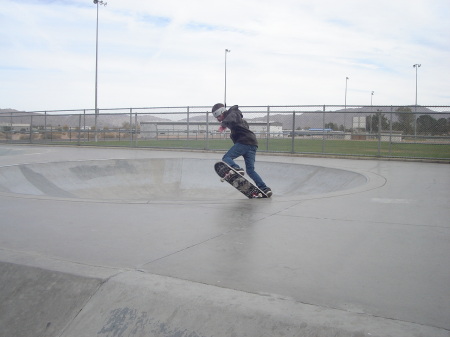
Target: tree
(426, 125)
(442, 126)
(405, 121)
(373, 122)
(332, 126)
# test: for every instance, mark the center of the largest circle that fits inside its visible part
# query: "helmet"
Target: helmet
(218, 109)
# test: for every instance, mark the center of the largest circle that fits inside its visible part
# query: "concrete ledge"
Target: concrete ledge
(38, 302)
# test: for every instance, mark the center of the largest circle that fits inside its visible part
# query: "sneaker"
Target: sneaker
(268, 191)
(239, 170)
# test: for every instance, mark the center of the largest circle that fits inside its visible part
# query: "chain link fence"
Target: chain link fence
(418, 132)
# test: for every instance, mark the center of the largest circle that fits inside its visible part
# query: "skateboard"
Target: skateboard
(235, 179)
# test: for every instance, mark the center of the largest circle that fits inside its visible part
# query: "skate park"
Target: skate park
(141, 242)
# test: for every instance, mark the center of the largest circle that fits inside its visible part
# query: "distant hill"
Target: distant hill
(104, 120)
(302, 120)
(7, 111)
(315, 119)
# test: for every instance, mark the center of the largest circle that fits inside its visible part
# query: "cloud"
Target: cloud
(172, 52)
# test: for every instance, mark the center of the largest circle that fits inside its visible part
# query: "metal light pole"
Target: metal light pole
(225, 96)
(345, 102)
(97, 2)
(371, 110)
(415, 107)
(416, 66)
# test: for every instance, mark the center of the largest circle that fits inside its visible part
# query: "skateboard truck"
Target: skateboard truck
(229, 173)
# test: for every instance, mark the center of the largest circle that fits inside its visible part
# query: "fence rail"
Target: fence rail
(372, 131)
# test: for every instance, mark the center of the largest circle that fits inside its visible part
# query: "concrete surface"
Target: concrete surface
(138, 242)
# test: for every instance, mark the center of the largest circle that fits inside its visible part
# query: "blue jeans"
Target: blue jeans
(249, 154)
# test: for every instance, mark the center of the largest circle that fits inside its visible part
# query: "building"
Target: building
(15, 127)
(151, 130)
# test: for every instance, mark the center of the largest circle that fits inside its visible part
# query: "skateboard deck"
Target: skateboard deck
(242, 184)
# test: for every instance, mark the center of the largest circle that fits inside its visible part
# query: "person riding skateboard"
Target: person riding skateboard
(245, 142)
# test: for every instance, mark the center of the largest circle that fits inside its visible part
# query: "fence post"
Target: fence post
(136, 129)
(188, 129)
(379, 133)
(45, 126)
(323, 130)
(84, 126)
(79, 130)
(415, 123)
(31, 129)
(207, 131)
(131, 127)
(390, 134)
(268, 128)
(293, 131)
(11, 128)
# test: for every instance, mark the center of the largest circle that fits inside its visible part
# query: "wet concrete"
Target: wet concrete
(163, 179)
(344, 247)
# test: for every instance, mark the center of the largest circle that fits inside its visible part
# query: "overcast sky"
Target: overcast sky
(172, 53)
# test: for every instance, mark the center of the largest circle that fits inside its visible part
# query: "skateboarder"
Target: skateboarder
(245, 143)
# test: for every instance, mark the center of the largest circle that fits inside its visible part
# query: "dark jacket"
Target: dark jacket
(240, 133)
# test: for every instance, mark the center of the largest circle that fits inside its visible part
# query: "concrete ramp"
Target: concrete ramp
(38, 302)
(135, 242)
(163, 179)
(41, 302)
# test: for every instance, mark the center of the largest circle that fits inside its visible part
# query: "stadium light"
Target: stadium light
(345, 103)
(225, 96)
(415, 107)
(416, 66)
(97, 2)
